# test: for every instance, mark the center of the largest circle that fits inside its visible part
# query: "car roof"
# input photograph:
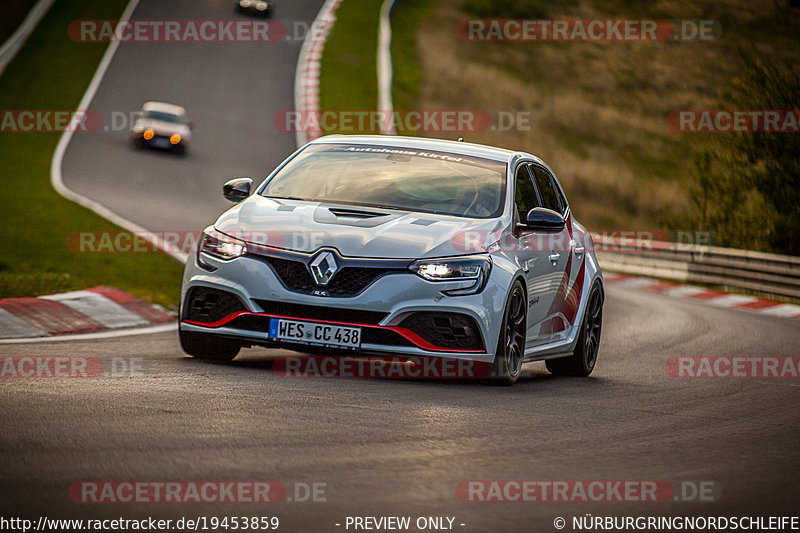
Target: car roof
(164, 108)
(425, 143)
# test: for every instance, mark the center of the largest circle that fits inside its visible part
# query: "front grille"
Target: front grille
(316, 312)
(204, 304)
(446, 330)
(349, 281)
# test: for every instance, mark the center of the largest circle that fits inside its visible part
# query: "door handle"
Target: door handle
(579, 250)
(554, 258)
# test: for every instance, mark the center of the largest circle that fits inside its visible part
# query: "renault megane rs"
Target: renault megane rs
(399, 246)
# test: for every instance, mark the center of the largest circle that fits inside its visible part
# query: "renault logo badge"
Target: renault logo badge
(323, 267)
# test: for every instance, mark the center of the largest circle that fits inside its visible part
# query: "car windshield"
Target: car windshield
(394, 178)
(163, 116)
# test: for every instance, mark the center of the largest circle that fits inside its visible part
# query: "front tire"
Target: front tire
(507, 364)
(583, 359)
(208, 347)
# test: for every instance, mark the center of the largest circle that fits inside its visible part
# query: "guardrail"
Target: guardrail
(771, 275)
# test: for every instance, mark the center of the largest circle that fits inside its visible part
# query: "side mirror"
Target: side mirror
(237, 189)
(540, 218)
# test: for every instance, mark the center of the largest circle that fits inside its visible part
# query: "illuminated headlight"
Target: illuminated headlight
(469, 268)
(175, 139)
(261, 6)
(219, 245)
(245, 3)
(148, 134)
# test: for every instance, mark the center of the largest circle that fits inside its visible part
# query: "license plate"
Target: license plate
(160, 143)
(314, 333)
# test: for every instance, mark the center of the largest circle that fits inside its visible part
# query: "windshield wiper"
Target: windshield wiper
(286, 198)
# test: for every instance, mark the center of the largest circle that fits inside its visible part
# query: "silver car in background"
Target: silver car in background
(163, 126)
(399, 246)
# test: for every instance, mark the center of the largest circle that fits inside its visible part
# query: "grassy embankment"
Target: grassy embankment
(52, 72)
(600, 108)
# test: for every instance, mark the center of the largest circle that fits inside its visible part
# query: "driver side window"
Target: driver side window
(526, 197)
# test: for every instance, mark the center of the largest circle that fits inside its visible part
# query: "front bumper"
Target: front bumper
(399, 312)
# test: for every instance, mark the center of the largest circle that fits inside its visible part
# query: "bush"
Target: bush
(746, 188)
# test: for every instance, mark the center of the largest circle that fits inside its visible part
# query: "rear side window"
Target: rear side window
(551, 195)
(526, 197)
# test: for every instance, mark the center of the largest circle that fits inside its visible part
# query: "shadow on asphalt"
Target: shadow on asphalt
(533, 375)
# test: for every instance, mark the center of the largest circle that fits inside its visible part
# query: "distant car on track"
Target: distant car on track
(399, 246)
(259, 8)
(163, 126)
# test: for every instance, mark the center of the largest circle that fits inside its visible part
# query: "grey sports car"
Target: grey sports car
(399, 246)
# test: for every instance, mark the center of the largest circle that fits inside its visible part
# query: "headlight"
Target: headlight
(468, 268)
(261, 6)
(219, 245)
(245, 3)
(148, 134)
(175, 139)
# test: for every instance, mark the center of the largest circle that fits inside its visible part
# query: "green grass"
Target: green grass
(407, 78)
(600, 108)
(51, 73)
(348, 79)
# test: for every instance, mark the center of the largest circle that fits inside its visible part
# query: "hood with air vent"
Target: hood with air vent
(353, 230)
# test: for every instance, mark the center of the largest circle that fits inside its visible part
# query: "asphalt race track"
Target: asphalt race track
(231, 92)
(386, 446)
(379, 447)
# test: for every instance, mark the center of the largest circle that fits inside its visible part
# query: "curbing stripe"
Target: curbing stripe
(13, 327)
(758, 305)
(53, 317)
(701, 295)
(732, 300)
(685, 291)
(785, 310)
(100, 309)
(309, 64)
(707, 295)
(151, 313)
(79, 312)
(111, 334)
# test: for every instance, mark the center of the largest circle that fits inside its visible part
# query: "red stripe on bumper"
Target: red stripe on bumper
(406, 333)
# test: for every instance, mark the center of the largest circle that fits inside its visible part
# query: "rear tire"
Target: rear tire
(507, 364)
(208, 347)
(582, 361)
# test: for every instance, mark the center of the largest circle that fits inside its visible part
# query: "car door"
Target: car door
(557, 249)
(530, 248)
